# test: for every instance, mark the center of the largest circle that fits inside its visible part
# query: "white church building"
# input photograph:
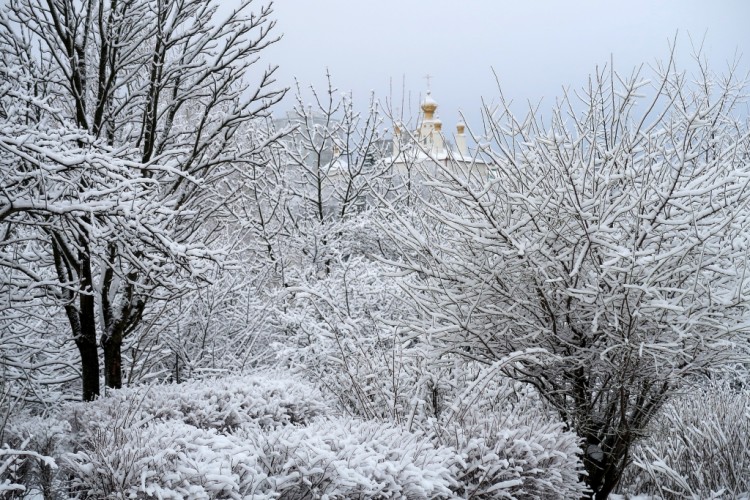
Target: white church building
(427, 150)
(415, 156)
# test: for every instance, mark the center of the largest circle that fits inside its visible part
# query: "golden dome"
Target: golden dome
(429, 105)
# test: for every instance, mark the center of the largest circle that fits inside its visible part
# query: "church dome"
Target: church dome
(429, 105)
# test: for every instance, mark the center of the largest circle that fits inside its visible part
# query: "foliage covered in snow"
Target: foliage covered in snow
(253, 437)
(518, 326)
(223, 404)
(37, 443)
(348, 458)
(698, 448)
(511, 447)
(169, 459)
(265, 436)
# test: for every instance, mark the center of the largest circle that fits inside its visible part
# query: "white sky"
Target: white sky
(535, 46)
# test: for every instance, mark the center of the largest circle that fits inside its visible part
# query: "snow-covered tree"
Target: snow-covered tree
(119, 136)
(325, 164)
(611, 240)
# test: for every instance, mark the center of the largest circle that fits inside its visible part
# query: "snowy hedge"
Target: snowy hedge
(251, 437)
(163, 460)
(510, 445)
(223, 404)
(336, 459)
(268, 436)
(698, 448)
(351, 459)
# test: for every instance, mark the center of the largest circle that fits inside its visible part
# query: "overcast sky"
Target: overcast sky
(536, 46)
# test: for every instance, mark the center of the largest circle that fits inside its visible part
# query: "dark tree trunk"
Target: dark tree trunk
(606, 489)
(82, 319)
(119, 319)
(112, 362)
(83, 326)
(89, 367)
(596, 478)
(86, 342)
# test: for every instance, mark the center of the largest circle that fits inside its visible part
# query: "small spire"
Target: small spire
(461, 139)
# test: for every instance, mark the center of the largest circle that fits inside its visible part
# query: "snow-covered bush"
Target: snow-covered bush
(176, 441)
(510, 445)
(36, 441)
(698, 448)
(12, 465)
(164, 460)
(26, 446)
(242, 438)
(341, 334)
(268, 400)
(351, 459)
(274, 437)
(334, 459)
(511, 459)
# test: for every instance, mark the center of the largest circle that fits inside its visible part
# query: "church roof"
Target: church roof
(419, 155)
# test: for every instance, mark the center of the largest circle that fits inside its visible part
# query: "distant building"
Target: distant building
(427, 150)
(424, 152)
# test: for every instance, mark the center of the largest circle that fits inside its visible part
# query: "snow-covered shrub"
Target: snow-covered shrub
(340, 333)
(27, 444)
(222, 328)
(12, 466)
(176, 441)
(519, 460)
(268, 400)
(169, 460)
(351, 459)
(334, 459)
(41, 439)
(698, 448)
(264, 437)
(124, 451)
(510, 446)
(244, 437)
